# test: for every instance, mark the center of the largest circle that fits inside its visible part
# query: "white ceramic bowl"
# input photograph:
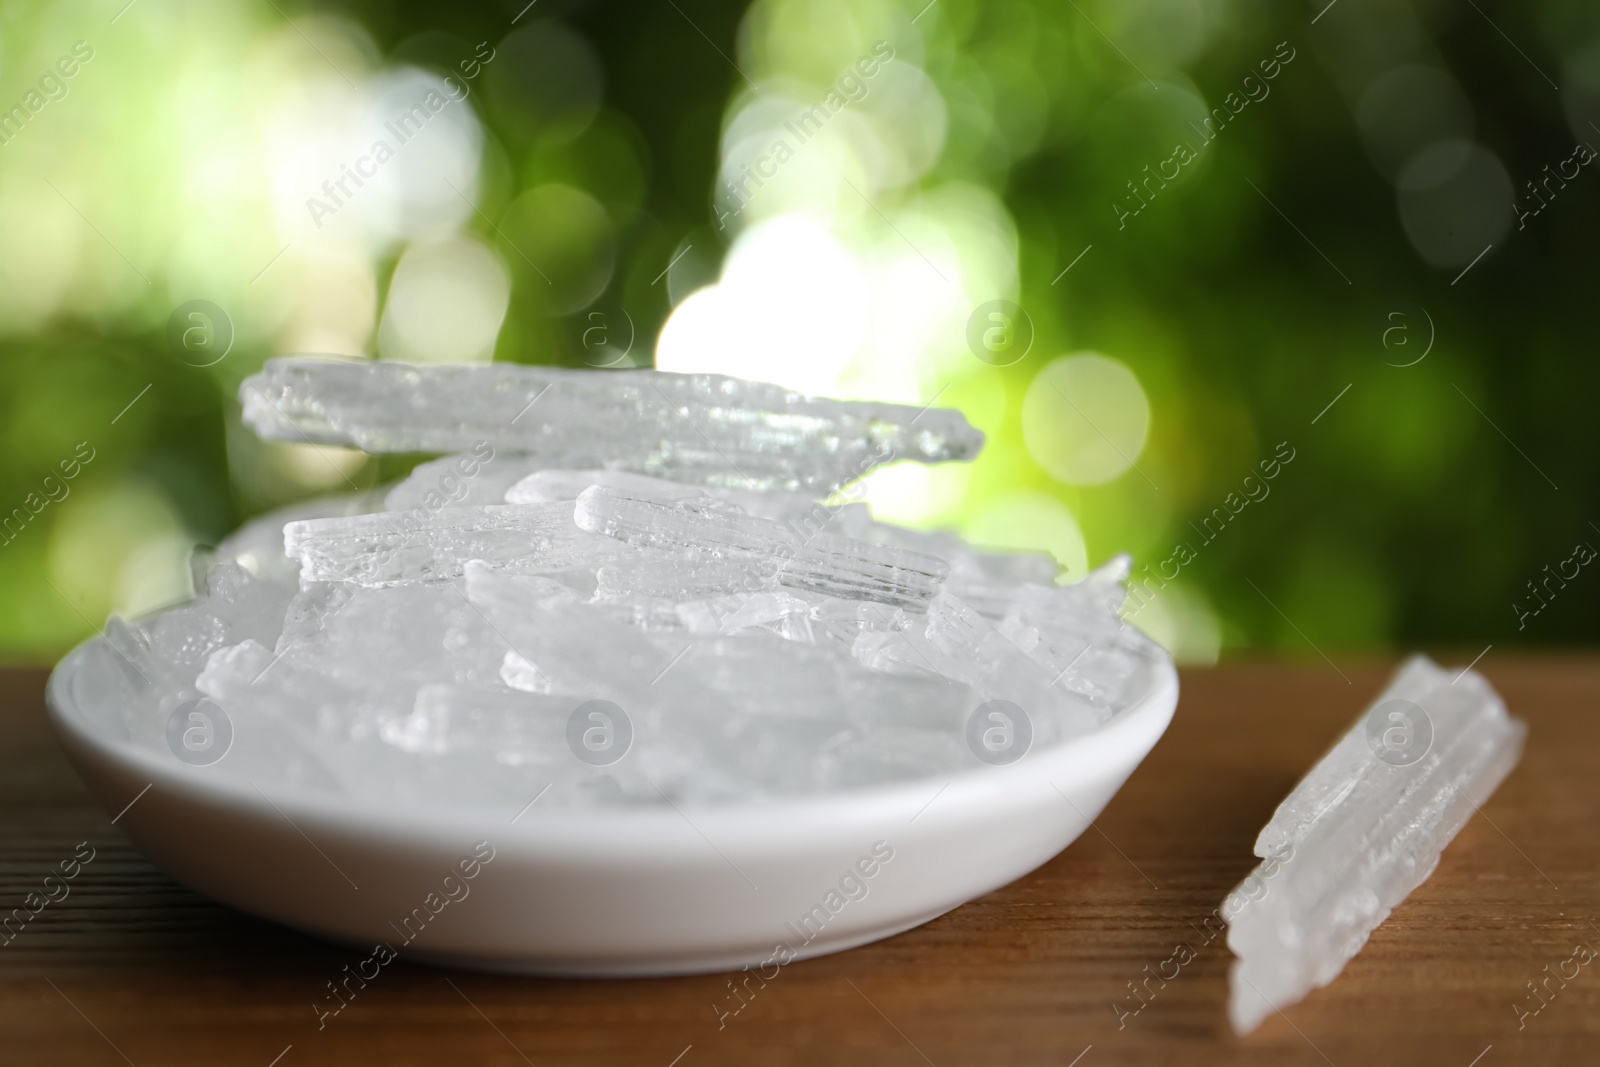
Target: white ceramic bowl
(612, 892)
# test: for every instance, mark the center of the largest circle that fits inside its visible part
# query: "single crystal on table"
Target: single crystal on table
(387, 548)
(824, 563)
(703, 428)
(1363, 829)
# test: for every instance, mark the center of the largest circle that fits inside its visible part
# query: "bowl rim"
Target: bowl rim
(1111, 750)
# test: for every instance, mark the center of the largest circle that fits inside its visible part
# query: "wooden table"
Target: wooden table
(133, 967)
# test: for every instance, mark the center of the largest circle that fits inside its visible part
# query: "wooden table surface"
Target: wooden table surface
(132, 967)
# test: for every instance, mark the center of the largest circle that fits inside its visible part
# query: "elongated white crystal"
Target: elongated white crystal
(1363, 829)
(731, 614)
(993, 664)
(577, 647)
(661, 576)
(825, 563)
(702, 428)
(973, 571)
(394, 547)
(168, 651)
(1331, 781)
(257, 546)
(1063, 629)
(548, 486)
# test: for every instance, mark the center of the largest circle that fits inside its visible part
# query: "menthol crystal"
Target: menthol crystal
(823, 563)
(679, 555)
(1363, 829)
(693, 428)
(392, 547)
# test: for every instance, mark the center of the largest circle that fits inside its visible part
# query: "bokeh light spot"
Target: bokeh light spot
(1408, 108)
(1455, 199)
(1085, 419)
(445, 305)
(561, 247)
(791, 308)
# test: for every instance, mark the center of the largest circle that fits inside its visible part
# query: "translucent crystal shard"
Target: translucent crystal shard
(391, 547)
(509, 727)
(994, 666)
(168, 651)
(1073, 631)
(257, 546)
(577, 648)
(661, 576)
(973, 571)
(545, 486)
(1363, 829)
(731, 614)
(823, 563)
(698, 428)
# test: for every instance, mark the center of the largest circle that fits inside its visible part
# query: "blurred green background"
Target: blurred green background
(1206, 222)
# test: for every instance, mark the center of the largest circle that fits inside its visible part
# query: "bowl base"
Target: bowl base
(822, 945)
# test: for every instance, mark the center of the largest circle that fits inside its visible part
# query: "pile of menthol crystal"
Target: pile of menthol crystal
(613, 588)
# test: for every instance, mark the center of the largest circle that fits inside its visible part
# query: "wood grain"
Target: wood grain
(131, 967)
